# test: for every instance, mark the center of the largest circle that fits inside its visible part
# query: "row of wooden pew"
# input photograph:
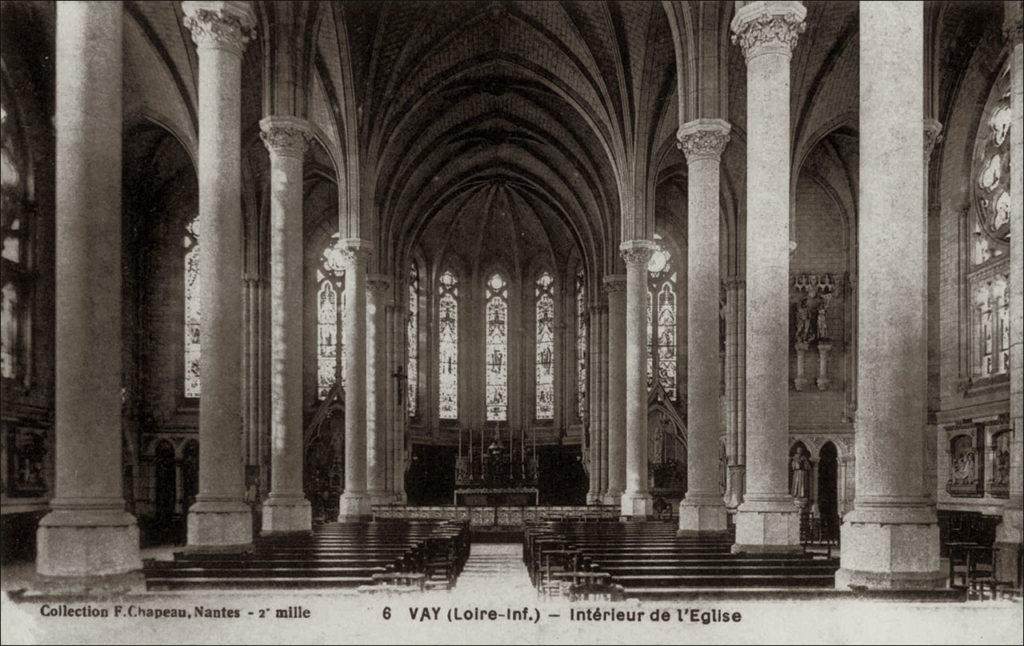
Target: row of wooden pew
(647, 560)
(367, 556)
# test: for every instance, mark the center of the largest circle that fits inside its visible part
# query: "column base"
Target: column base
(612, 498)
(399, 498)
(593, 499)
(767, 525)
(379, 498)
(890, 548)
(734, 495)
(75, 541)
(354, 507)
(702, 515)
(636, 505)
(287, 514)
(219, 524)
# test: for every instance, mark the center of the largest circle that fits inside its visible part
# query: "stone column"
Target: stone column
(932, 136)
(593, 410)
(767, 31)
(378, 294)
(286, 508)
(220, 517)
(891, 539)
(636, 501)
(602, 421)
(734, 374)
(355, 503)
(88, 533)
(1010, 532)
(703, 509)
(615, 408)
(609, 497)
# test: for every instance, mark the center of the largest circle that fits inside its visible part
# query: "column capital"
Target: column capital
(703, 138)
(768, 27)
(932, 136)
(286, 136)
(354, 251)
(615, 283)
(378, 282)
(220, 25)
(636, 253)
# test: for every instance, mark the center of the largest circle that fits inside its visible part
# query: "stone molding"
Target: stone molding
(637, 253)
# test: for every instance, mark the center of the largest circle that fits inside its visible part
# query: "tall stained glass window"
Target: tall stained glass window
(16, 223)
(192, 310)
(329, 294)
(448, 346)
(989, 222)
(661, 318)
(545, 396)
(412, 338)
(581, 344)
(496, 349)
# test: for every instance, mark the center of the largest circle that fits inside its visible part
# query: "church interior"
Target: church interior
(620, 282)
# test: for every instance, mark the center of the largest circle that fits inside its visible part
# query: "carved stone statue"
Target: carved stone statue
(800, 472)
(823, 321)
(803, 321)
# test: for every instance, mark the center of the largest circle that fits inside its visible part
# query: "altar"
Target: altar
(493, 474)
(497, 497)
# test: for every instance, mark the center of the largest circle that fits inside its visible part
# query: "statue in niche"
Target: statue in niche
(800, 475)
(803, 321)
(822, 320)
(964, 464)
(1002, 467)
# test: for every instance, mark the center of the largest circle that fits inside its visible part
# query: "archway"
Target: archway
(828, 488)
(165, 493)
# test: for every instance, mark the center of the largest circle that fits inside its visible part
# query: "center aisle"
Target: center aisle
(494, 566)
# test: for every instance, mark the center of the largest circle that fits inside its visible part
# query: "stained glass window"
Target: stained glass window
(991, 327)
(448, 346)
(330, 294)
(661, 319)
(15, 226)
(992, 172)
(411, 338)
(581, 345)
(192, 309)
(496, 349)
(545, 399)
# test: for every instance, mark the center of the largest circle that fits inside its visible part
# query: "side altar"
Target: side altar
(496, 474)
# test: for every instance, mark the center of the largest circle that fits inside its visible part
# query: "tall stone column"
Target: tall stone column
(607, 497)
(602, 421)
(932, 130)
(378, 294)
(636, 500)
(1010, 532)
(615, 408)
(286, 508)
(88, 532)
(594, 409)
(355, 503)
(767, 31)
(891, 539)
(703, 509)
(734, 375)
(220, 517)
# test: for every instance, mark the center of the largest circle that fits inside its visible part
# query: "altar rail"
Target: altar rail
(498, 516)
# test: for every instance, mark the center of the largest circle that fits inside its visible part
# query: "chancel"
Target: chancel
(663, 296)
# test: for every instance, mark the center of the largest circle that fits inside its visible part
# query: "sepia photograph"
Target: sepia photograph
(512, 321)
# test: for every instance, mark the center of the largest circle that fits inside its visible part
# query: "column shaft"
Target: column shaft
(602, 411)
(767, 520)
(703, 510)
(593, 410)
(636, 502)
(220, 517)
(1011, 531)
(286, 508)
(354, 503)
(88, 532)
(615, 404)
(891, 539)
(376, 384)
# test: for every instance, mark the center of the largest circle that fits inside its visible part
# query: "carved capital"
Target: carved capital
(768, 27)
(378, 282)
(703, 138)
(285, 136)
(636, 253)
(615, 283)
(932, 136)
(220, 25)
(354, 252)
